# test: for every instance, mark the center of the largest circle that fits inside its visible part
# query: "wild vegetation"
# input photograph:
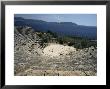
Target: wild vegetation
(77, 42)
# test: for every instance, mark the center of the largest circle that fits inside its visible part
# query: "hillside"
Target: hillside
(62, 28)
(36, 56)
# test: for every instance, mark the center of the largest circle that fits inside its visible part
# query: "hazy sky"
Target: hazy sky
(80, 19)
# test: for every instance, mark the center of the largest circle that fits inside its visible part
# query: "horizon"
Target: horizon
(79, 19)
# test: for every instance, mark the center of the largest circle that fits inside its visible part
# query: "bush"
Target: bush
(52, 33)
(70, 43)
(60, 41)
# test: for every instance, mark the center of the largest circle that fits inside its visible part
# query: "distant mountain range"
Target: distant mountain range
(61, 28)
